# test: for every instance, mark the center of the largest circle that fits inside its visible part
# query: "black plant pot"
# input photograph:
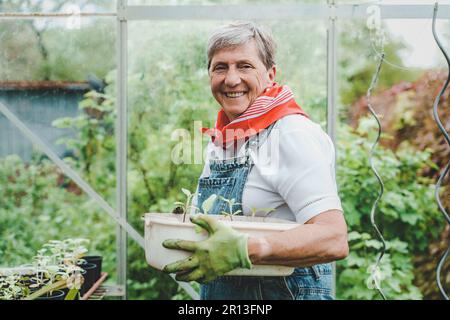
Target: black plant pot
(54, 295)
(96, 260)
(89, 277)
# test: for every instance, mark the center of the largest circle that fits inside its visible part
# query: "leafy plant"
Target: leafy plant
(38, 206)
(255, 210)
(54, 267)
(11, 288)
(395, 276)
(231, 203)
(187, 205)
(208, 203)
(406, 215)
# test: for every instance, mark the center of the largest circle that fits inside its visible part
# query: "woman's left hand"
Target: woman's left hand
(224, 250)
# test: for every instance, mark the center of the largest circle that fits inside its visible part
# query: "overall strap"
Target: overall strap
(259, 139)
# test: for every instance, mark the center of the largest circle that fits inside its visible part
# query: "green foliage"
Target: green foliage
(94, 146)
(407, 215)
(36, 208)
(182, 295)
(356, 67)
(395, 272)
(50, 51)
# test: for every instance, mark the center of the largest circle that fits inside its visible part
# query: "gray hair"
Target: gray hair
(239, 33)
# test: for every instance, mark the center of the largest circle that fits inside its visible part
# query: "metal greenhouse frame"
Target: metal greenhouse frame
(330, 12)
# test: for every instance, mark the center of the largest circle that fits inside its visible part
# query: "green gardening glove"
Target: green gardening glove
(223, 251)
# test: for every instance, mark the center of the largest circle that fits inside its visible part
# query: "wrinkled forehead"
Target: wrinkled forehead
(233, 54)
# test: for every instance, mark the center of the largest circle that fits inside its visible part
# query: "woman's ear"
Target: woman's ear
(272, 72)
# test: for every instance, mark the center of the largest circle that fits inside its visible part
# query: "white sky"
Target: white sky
(418, 35)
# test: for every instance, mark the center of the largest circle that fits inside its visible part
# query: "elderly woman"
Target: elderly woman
(265, 153)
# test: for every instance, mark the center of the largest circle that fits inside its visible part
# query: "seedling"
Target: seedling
(208, 203)
(185, 206)
(254, 210)
(230, 203)
(53, 268)
(56, 267)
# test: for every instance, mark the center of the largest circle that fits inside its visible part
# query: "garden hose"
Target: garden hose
(447, 138)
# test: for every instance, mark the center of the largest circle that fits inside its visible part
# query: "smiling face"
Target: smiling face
(238, 77)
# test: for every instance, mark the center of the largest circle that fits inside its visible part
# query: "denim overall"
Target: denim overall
(227, 179)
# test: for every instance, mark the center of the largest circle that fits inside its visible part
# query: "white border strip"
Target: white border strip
(283, 12)
(34, 15)
(226, 12)
(251, 12)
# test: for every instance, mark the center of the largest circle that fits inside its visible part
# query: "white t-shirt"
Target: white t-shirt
(293, 171)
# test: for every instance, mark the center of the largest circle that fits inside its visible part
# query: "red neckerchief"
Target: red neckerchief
(273, 104)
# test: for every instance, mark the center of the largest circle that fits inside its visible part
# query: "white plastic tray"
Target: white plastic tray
(161, 226)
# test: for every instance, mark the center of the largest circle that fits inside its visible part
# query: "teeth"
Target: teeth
(234, 94)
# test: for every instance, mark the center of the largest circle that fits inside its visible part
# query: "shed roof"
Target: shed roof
(43, 85)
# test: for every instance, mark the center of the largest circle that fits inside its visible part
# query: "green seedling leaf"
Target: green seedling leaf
(267, 210)
(208, 203)
(186, 192)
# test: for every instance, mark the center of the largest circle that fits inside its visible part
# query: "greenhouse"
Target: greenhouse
(117, 119)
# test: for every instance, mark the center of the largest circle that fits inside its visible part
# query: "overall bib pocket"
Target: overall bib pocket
(222, 187)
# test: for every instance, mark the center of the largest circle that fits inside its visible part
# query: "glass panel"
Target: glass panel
(58, 6)
(40, 204)
(413, 72)
(170, 98)
(56, 49)
(59, 80)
